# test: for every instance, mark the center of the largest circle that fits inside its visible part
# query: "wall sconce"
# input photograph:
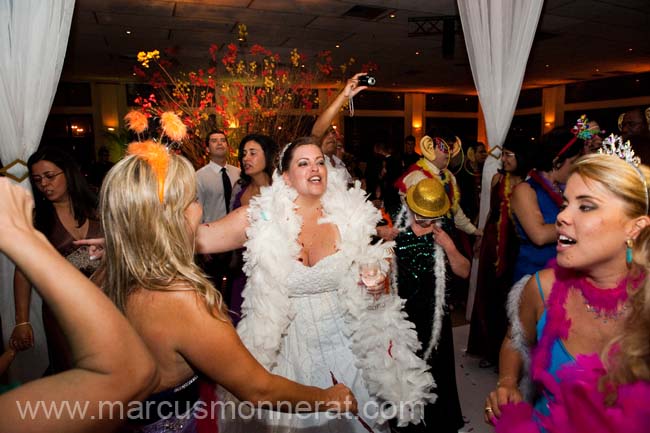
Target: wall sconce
(416, 125)
(547, 124)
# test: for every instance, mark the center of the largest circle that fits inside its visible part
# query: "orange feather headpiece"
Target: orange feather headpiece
(156, 155)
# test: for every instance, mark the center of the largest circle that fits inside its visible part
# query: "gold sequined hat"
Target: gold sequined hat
(428, 198)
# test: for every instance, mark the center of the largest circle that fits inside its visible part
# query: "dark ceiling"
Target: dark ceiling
(576, 39)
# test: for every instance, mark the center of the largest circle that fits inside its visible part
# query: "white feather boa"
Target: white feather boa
(518, 338)
(383, 341)
(403, 221)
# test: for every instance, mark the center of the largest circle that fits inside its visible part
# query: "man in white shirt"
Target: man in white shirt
(217, 178)
(215, 183)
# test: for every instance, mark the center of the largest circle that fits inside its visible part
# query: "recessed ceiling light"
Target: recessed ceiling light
(597, 70)
(547, 66)
(630, 50)
(417, 53)
(134, 74)
(637, 80)
(391, 15)
(337, 46)
(128, 32)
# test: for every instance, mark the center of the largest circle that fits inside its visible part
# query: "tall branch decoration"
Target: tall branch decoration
(241, 90)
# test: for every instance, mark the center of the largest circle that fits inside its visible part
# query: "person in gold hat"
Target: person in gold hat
(424, 252)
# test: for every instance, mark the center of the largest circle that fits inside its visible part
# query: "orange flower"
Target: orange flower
(136, 121)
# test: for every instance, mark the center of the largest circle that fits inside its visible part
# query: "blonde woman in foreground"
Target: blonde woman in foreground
(110, 362)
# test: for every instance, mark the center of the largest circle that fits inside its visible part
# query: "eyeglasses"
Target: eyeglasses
(508, 154)
(420, 220)
(47, 176)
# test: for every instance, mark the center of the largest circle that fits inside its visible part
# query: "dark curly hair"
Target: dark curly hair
(270, 149)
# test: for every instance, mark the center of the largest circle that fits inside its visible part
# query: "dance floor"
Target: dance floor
(474, 383)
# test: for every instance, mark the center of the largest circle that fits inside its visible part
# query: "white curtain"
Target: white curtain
(33, 40)
(498, 35)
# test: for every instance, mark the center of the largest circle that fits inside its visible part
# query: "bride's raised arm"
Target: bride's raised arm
(225, 234)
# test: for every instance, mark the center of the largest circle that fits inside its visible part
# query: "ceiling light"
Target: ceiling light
(417, 53)
(630, 50)
(597, 70)
(547, 66)
(391, 15)
(128, 32)
(337, 46)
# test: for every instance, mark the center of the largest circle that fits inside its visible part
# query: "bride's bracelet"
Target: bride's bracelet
(22, 323)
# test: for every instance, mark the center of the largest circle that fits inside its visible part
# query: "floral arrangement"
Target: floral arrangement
(241, 90)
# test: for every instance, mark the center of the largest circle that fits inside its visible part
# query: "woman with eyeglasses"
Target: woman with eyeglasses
(64, 212)
(497, 255)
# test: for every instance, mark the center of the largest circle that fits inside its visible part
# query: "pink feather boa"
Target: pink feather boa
(579, 405)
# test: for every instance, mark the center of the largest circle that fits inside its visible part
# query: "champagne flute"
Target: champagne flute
(371, 275)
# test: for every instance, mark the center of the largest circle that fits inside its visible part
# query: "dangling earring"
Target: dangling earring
(628, 251)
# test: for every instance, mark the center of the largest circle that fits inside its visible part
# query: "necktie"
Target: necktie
(227, 188)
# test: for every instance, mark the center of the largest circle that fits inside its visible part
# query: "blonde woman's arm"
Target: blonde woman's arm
(225, 234)
(213, 346)
(510, 360)
(111, 363)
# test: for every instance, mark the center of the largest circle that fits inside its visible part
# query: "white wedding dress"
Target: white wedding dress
(314, 348)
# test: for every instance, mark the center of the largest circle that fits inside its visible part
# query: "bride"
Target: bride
(305, 314)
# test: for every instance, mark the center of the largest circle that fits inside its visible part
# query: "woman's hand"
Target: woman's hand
(442, 238)
(95, 247)
(504, 393)
(339, 398)
(387, 233)
(22, 337)
(15, 212)
(352, 86)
